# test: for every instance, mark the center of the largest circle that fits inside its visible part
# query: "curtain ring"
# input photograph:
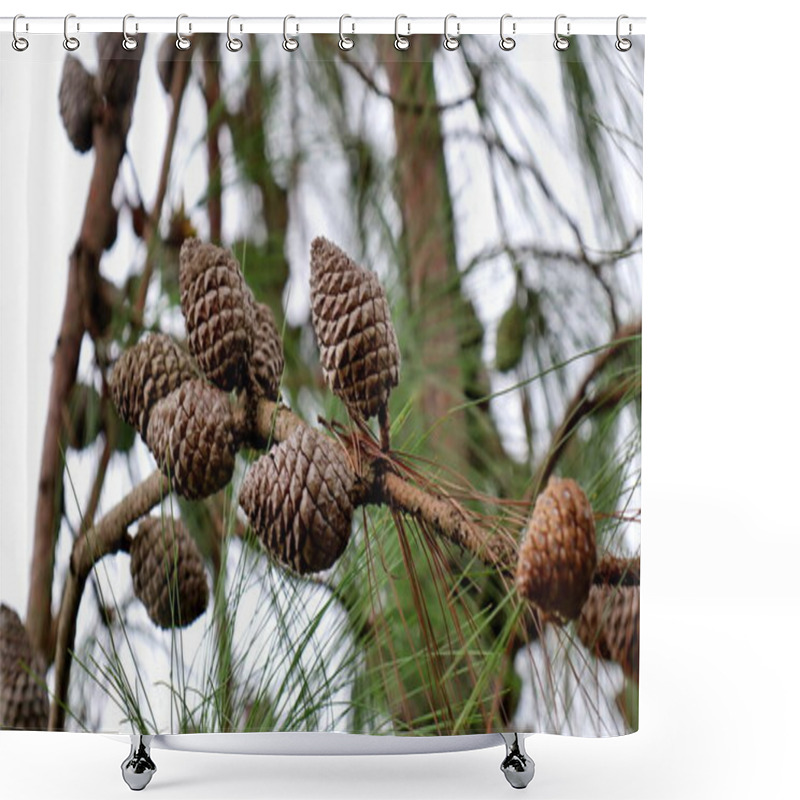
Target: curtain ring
(506, 42)
(290, 43)
(345, 42)
(233, 44)
(623, 44)
(401, 42)
(71, 43)
(18, 42)
(451, 42)
(181, 42)
(128, 42)
(560, 42)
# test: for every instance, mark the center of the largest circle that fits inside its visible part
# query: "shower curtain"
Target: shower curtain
(321, 385)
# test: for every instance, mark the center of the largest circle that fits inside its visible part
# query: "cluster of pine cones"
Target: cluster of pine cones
(299, 495)
(556, 568)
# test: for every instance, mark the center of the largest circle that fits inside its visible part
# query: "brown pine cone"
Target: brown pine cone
(77, 98)
(168, 573)
(118, 69)
(266, 362)
(191, 435)
(558, 554)
(218, 308)
(145, 374)
(609, 625)
(298, 499)
(357, 342)
(617, 570)
(23, 696)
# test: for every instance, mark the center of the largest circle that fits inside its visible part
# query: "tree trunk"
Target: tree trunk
(432, 279)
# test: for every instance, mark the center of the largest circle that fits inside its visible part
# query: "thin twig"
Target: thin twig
(403, 105)
(180, 78)
(582, 406)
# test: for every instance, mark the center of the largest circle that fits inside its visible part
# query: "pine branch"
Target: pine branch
(583, 405)
(83, 311)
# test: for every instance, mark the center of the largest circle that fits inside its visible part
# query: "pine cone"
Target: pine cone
(266, 362)
(191, 435)
(168, 574)
(357, 342)
(298, 500)
(23, 698)
(77, 98)
(558, 554)
(218, 308)
(118, 69)
(145, 374)
(609, 625)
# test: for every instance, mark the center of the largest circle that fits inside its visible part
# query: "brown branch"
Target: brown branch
(582, 405)
(108, 536)
(448, 518)
(83, 296)
(180, 77)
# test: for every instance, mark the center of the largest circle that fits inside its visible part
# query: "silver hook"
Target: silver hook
(233, 44)
(345, 42)
(401, 42)
(451, 42)
(71, 43)
(290, 43)
(560, 42)
(181, 42)
(128, 41)
(622, 44)
(506, 42)
(18, 42)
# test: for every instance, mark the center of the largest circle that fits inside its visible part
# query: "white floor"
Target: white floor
(719, 718)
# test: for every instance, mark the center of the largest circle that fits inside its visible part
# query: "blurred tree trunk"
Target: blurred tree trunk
(212, 95)
(431, 278)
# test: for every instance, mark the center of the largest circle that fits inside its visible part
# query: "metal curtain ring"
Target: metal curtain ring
(401, 42)
(18, 42)
(451, 42)
(623, 44)
(290, 43)
(560, 43)
(71, 43)
(506, 42)
(181, 42)
(233, 44)
(345, 42)
(128, 42)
